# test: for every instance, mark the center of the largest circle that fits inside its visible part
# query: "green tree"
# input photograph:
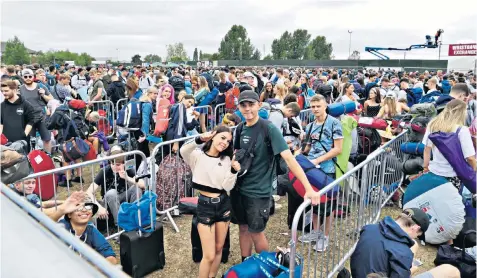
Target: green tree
(355, 55)
(215, 57)
(176, 53)
(268, 57)
(206, 57)
(308, 53)
(195, 56)
(236, 44)
(200, 56)
(321, 49)
(152, 58)
(281, 46)
(84, 59)
(298, 43)
(256, 55)
(15, 52)
(136, 59)
(61, 56)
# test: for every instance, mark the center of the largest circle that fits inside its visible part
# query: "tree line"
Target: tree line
(235, 45)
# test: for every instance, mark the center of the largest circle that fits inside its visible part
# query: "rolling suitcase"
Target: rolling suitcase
(141, 255)
(197, 247)
(45, 185)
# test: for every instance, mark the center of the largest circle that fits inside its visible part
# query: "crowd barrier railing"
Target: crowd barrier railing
(219, 114)
(96, 260)
(107, 120)
(330, 230)
(206, 118)
(110, 200)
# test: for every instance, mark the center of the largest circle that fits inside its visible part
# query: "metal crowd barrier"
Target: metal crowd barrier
(97, 261)
(206, 118)
(332, 227)
(96, 165)
(219, 114)
(106, 123)
(168, 198)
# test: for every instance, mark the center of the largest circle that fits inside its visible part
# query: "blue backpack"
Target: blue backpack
(130, 116)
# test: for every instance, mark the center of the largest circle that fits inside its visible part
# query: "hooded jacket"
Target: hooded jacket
(116, 91)
(383, 248)
(92, 237)
(15, 117)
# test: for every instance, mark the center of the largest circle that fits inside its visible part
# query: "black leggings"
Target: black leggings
(143, 147)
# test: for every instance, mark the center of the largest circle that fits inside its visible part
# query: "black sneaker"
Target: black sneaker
(64, 183)
(78, 180)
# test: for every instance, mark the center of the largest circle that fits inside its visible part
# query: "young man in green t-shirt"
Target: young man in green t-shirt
(251, 196)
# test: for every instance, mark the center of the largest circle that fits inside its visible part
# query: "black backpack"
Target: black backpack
(369, 140)
(177, 83)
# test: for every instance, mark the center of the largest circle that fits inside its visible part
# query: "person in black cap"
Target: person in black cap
(389, 246)
(252, 195)
(78, 211)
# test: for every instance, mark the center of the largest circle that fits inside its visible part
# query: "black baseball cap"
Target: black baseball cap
(419, 217)
(248, 95)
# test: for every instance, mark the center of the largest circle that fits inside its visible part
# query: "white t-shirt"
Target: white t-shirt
(439, 164)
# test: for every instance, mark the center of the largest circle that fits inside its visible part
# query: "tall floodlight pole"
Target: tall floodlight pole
(349, 49)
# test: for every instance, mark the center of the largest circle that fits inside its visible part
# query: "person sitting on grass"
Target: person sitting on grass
(389, 247)
(77, 212)
(26, 187)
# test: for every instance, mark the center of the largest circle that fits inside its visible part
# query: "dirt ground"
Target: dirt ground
(178, 248)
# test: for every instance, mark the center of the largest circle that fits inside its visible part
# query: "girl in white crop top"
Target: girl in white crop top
(214, 172)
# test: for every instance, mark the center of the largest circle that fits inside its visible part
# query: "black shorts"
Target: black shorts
(212, 210)
(253, 212)
(45, 134)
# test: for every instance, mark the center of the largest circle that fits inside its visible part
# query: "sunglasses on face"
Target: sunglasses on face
(85, 208)
(28, 77)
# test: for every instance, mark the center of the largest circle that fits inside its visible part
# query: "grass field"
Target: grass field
(178, 248)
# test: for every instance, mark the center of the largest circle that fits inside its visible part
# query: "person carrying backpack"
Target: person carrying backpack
(251, 196)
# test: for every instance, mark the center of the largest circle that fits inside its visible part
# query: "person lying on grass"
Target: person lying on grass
(78, 211)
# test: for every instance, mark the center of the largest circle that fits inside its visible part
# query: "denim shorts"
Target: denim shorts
(212, 210)
(253, 212)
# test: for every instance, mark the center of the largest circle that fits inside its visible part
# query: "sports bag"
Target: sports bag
(419, 124)
(424, 109)
(369, 140)
(375, 123)
(447, 254)
(128, 216)
(339, 108)
(9, 157)
(74, 149)
(15, 172)
(130, 116)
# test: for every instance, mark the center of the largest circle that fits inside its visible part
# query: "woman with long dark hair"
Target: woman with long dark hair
(214, 172)
(373, 104)
(267, 92)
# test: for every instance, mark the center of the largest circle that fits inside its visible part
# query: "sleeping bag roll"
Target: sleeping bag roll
(339, 108)
(412, 166)
(412, 148)
(442, 203)
(315, 176)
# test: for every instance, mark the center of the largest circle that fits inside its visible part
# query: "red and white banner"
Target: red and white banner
(467, 49)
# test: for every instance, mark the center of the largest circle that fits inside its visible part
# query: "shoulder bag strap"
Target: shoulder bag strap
(326, 150)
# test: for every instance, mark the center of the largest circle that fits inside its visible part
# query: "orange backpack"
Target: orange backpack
(231, 99)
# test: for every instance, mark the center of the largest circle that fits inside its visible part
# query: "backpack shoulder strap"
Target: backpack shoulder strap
(238, 132)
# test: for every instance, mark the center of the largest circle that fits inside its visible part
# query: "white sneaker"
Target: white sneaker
(321, 244)
(314, 235)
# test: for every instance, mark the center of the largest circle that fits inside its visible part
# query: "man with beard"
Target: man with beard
(38, 98)
(17, 116)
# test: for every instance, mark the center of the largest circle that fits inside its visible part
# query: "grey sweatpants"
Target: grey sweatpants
(114, 200)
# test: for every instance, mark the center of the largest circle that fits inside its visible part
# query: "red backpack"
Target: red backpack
(231, 99)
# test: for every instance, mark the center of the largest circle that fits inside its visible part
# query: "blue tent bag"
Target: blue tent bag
(128, 213)
(316, 176)
(412, 148)
(339, 108)
(262, 265)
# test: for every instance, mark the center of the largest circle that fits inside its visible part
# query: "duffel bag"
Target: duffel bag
(74, 149)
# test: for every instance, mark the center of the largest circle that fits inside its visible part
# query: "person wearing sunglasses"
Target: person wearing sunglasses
(38, 97)
(77, 212)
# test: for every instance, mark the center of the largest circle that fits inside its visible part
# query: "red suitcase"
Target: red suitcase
(91, 155)
(41, 162)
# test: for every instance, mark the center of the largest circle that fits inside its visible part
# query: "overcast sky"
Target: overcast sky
(101, 27)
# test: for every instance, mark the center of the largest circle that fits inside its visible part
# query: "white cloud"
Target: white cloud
(101, 27)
